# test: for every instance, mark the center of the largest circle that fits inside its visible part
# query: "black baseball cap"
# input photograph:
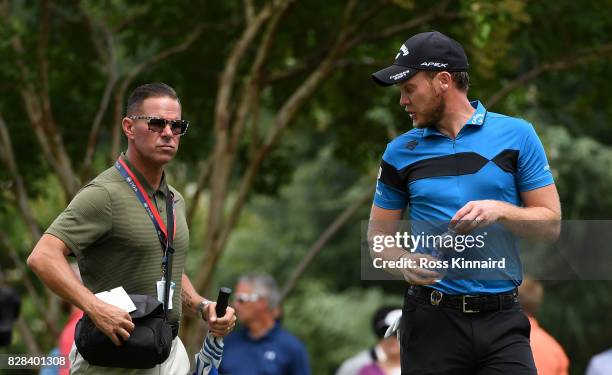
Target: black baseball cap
(425, 51)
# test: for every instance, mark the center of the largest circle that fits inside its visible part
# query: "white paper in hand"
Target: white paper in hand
(117, 297)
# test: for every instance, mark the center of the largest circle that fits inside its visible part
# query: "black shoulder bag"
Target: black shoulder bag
(151, 340)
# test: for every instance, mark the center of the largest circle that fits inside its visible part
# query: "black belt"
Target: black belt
(467, 303)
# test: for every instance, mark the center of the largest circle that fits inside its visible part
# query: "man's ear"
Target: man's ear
(445, 80)
(128, 124)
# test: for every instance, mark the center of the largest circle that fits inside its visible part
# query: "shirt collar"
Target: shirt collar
(479, 115)
(477, 119)
(272, 332)
(143, 181)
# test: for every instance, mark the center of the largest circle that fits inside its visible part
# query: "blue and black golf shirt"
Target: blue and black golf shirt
(493, 157)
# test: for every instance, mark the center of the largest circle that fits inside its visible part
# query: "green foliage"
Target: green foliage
(326, 158)
(334, 326)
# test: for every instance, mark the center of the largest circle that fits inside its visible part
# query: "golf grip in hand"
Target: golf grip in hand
(222, 299)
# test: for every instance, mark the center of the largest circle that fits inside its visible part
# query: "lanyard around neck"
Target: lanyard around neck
(149, 207)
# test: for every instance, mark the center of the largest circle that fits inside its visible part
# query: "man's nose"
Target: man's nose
(404, 100)
(167, 131)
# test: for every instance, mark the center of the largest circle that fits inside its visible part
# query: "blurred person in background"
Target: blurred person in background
(10, 306)
(261, 345)
(384, 357)
(66, 338)
(600, 364)
(550, 359)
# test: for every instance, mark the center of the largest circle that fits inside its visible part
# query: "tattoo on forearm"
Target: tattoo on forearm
(188, 302)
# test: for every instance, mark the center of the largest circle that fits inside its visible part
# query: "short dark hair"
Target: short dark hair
(148, 90)
(461, 79)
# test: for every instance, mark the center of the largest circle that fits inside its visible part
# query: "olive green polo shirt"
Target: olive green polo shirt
(114, 240)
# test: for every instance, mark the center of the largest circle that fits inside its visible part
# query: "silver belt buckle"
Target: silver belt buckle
(435, 297)
(464, 303)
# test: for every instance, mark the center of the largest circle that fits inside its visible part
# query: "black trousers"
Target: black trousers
(443, 340)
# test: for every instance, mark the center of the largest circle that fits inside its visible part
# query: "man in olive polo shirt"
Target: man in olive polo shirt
(115, 240)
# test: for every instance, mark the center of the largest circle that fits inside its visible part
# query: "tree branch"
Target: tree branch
(221, 156)
(249, 11)
(362, 38)
(228, 76)
(38, 108)
(28, 336)
(339, 222)
(205, 169)
(141, 10)
(49, 125)
(108, 56)
(438, 11)
(562, 64)
(7, 155)
(252, 85)
(215, 241)
(133, 73)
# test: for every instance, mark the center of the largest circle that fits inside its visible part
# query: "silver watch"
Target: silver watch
(203, 305)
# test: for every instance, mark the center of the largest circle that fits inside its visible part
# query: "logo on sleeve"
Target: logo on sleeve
(412, 144)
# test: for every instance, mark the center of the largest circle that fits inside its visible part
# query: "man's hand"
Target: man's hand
(112, 321)
(219, 326)
(417, 275)
(476, 214)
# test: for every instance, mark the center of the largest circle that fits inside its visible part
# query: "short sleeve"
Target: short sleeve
(391, 189)
(533, 169)
(87, 218)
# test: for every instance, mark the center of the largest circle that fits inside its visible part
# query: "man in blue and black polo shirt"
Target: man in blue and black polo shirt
(471, 169)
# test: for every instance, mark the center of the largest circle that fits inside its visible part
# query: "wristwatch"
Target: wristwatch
(203, 305)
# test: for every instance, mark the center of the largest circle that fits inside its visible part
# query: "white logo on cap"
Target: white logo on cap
(400, 75)
(403, 50)
(436, 64)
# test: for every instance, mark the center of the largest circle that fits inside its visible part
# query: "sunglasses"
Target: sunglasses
(242, 298)
(156, 124)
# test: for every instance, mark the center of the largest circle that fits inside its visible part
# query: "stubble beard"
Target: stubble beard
(433, 116)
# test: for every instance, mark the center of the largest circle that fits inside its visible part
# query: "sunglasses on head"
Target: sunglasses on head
(242, 298)
(156, 124)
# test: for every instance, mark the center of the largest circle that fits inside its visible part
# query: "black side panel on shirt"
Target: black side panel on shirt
(451, 165)
(507, 160)
(390, 177)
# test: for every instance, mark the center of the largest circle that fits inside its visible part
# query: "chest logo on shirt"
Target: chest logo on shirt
(270, 355)
(412, 144)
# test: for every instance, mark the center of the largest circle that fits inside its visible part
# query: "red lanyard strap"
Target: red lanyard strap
(166, 236)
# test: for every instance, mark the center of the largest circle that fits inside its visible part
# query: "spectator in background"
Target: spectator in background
(550, 359)
(383, 352)
(261, 345)
(66, 338)
(600, 364)
(10, 306)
